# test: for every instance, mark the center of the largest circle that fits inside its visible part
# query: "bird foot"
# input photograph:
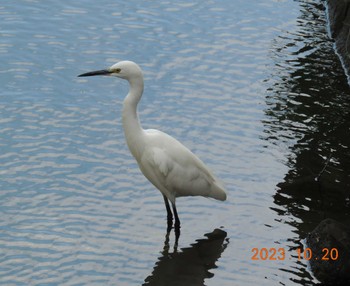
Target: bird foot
(177, 227)
(177, 232)
(170, 224)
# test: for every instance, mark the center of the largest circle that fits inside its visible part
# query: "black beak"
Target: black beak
(100, 72)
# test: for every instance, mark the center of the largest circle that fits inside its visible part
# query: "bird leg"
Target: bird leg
(177, 220)
(170, 215)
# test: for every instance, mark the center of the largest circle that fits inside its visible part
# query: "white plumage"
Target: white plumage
(175, 170)
(165, 162)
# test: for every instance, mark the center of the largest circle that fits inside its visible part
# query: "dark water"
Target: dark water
(308, 111)
(252, 87)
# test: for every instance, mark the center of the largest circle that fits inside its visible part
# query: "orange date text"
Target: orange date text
(274, 253)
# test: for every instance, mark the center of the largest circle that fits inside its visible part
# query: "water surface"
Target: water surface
(252, 87)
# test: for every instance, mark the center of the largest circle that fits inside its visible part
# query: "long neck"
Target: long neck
(131, 123)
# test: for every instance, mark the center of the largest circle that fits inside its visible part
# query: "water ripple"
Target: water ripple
(75, 209)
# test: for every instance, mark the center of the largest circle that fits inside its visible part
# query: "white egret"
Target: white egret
(165, 162)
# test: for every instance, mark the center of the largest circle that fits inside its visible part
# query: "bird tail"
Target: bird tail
(218, 192)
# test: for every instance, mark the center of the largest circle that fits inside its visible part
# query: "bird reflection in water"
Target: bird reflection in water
(190, 265)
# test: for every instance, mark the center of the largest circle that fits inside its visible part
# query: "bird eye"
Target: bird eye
(117, 70)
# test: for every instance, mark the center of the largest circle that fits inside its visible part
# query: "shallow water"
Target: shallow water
(252, 87)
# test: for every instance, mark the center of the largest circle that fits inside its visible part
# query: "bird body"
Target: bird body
(165, 162)
(175, 170)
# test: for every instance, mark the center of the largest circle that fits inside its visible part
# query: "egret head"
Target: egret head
(125, 69)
